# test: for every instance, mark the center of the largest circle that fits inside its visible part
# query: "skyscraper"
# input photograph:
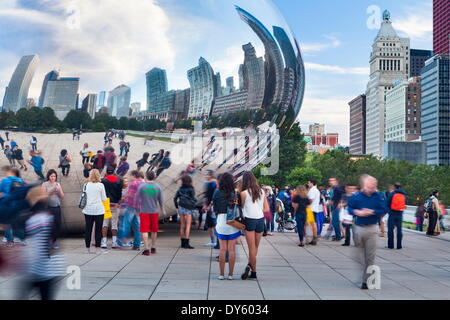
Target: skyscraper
(389, 62)
(101, 99)
(436, 109)
(156, 84)
(62, 96)
(254, 80)
(119, 102)
(135, 107)
(89, 105)
(218, 85)
(51, 76)
(441, 21)
(202, 81)
(358, 125)
(229, 89)
(418, 59)
(16, 94)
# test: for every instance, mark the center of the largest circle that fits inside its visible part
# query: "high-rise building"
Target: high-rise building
(156, 85)
(418, 59)
(89, 105)
(218, 85)
(358, 125)
(202, 81)
(119, 102)
(62, 96)
(254, 80)
(51, 76)
(230, 103)
(441, 21)
(436, 109)
(31, 103)
(182, 100)
(242, 76)
(389, 61)
(101, 99)
(16, 94)
(135, 107)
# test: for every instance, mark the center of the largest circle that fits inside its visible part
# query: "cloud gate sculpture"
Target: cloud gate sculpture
(193, 59)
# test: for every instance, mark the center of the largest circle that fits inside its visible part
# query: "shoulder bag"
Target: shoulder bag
(83, 198)
(234, 217)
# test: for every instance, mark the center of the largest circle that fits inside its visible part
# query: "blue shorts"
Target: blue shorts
(184, 211)
(256, 225)
(227, 237)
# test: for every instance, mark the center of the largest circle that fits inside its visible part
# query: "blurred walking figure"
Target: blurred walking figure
(420, 216)
(314, 197)
(210, 186)
(165, 164)
(85, 153)
(396, 205)
(156, 160)
(64, 162)
(7, 135)
(98, 161)
(431, 212)
(345, 217)
(368, 206)
(55, 192)
(123, 167)
(185, 202)
(143, 161)
(270, 223)
(300, 203)
(33, 143)
(37, 162)
(442, 214)
(18, 156)
(10, 156)
(338, 192)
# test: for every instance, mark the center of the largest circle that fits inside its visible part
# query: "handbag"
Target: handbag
(234, 217)
(83, 199)
(107, 206)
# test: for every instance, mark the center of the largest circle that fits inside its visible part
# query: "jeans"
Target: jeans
(34, 146)
(122, 151)
(65, 170)
(301, 221)
(127, 220)
(395, 220)
(320, 219)
(336, 224)
(270, 225)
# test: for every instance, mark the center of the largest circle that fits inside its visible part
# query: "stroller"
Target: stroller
(284, 219)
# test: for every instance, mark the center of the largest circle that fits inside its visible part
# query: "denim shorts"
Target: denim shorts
(184, 211)
(256, 225)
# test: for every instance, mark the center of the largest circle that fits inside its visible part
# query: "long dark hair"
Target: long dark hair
(226, 184)
(50, 172)
(145, 156)
(250, 183)
(186, 181)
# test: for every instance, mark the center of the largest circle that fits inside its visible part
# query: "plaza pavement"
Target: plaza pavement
(420, 271)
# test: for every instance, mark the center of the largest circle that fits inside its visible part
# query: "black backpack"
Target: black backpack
(185, 200)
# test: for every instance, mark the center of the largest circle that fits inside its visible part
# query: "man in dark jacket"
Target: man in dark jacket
(113, 187)
(396, 203)
(338, 192)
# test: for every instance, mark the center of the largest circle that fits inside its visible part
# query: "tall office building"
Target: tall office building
(62, 96)
(218, 85)
(358, 125)
(89, 105)
(182, 100)
(51, 76)
(436, 109)
(119, 102)
(202, 81)
(135, 108)
(229, 89)
(16, 94)
(389, 62)
(254, 80)
(441, 21)
(101, 99)
(156, 85)
(418, 59)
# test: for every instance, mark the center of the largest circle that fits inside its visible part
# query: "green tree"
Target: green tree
(76, 119)
(300, 176)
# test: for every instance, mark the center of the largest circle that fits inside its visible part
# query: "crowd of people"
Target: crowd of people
(124, 203)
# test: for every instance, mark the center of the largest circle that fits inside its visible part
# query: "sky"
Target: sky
(112, 42)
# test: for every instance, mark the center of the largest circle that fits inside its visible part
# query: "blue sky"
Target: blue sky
(111, 42)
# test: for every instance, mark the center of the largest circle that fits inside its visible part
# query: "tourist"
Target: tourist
(13, 144)
(122, 146)
(2, 142)
(224, 199)
(127, 149)
(382, 222)
(110, 158)
(9, 155)
(442, 214)
(64, 162)
(300, 203)
(210, 186)
(123, 167)
(37, 162)
(420, 214)
(338, 191)
(94, 210)
(185, 202)
(314, 197)
(130, 216)
(85, 153)
(143, 161)
(396, 204)
(149, 199)
(320, 218)
(87, 170)
(113, 188)
(345, 217)
(270, 223)
(286, 197)
(368, 206)
(18, 156)
(56, 194)
(254, 204)
(431, 212)
(7, 135)
(165, 164)
(98, 161)
(33, 143)
(156, 160)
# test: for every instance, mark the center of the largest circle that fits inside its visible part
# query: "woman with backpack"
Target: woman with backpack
(64, 162)
(185, 202)
(431, 212)
(98, 161)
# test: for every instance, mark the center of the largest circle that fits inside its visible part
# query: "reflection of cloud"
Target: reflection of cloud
(229, 65)
(114, 47)
(309, 48)
(336, 69)
(417, 23)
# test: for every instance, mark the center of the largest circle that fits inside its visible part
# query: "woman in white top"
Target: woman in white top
(254, 203)
(85, 153)
(94, 210)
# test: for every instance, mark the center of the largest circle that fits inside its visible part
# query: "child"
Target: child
(36, 162)
(165, 164)
(141, 163)
(123, 167)
(87, 170)
(98, 161)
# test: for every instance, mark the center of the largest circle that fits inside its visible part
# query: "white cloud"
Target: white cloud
(309, 48)
(336, 69)
(417, 23)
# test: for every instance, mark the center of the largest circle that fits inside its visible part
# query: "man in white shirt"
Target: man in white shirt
(314, 198)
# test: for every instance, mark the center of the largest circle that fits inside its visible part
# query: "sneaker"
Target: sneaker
(146, 252)
(104, 244)
(210, 244)
(221, 278)
(115, 245)
(153, 251)
(346, 245)
(230, 278)
(253, 276)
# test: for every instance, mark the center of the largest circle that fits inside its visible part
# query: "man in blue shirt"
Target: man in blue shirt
(368, 206)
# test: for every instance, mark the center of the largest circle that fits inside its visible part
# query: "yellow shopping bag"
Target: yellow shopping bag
(91, 154)
(107, 206)
(310, 216)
